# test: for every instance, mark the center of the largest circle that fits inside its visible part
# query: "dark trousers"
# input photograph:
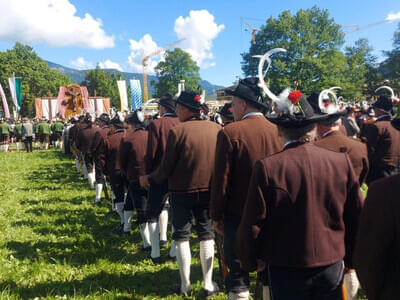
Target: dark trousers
(28, 143)
(157, 199)
(137, 198)
(186, 206)
(376, 173)
(98, 171)
(89, 162)
(321, 283)
(117, 182)
(237, 280)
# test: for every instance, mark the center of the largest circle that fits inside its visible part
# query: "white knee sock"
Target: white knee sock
(91, 179)
(239, 296)
(84, 171)
(184, 258)
(144, 232)
(128, 220)
(172, 250)
(47, 146)
(6, 147)
(351, 285)
(56, 144)
(17, 146)
(207, 260)
(119, 207)
(266, 294)
(61, 145)
(99, 188)
(154, 239)
(78, 167)
(163, 222)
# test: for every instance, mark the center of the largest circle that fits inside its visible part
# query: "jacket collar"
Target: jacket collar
(383, 118)
(292, 144)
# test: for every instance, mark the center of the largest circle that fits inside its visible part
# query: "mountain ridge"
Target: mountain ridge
(79, 75)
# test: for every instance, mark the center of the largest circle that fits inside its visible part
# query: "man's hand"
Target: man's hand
(219, 227)
(144, 181)
(260, 265)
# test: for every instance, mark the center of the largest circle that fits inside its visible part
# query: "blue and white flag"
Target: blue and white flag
(136, 94)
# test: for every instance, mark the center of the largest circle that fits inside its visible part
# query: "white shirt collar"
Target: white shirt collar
(252, 114)
(167, 114)
(327, 133)
(381, 117)
(289, 142)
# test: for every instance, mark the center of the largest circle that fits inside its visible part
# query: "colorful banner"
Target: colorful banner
(136, 94)
(5, 104)
(15, 89)
(123, 94)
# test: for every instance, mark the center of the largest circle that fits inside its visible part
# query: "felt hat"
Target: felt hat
(168, 102)
(248, 90)
(191, 100)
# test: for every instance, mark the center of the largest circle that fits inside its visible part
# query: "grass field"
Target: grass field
(55, 244)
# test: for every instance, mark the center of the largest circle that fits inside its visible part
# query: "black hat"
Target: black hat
(88, 118)
(383, 103)
(333, 116)
(191, 100)
(248, 90)
(168, 102)
(136, 117)
(302, 115)
(117, 120)
(104, 118)
(226, 111)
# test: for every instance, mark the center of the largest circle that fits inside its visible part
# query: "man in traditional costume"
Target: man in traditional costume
(188, 164)
(158, 193)
(240, 144)
(302, 211)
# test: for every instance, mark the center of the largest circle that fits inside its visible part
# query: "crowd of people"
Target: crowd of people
(278, 190)
(26, 133)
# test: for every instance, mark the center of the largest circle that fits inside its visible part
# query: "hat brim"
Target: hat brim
(261, 105)
(288, 121)
(189, 106)
(380, 108)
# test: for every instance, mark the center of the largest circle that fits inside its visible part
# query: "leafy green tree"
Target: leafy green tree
(37, 77)
(390, 68)
(313, 59)
(361, 76)
(177, 65)
(104, 84)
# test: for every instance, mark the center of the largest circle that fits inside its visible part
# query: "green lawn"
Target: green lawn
(55, 244)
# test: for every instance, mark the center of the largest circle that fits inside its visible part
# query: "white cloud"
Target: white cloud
(52, 22)
(81, 64)
(108, 64)
(392, 16)
(140, 49)
(199, 29)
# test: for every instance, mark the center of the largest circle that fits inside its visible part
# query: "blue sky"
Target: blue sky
(126, 21)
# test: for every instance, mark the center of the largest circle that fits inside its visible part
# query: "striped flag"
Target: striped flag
(15, 89)
(123, 94)
(136, 94)
(5, 104)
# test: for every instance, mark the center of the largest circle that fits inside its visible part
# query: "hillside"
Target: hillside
(79, 75)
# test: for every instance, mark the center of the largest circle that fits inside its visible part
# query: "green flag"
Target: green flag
(18, 91)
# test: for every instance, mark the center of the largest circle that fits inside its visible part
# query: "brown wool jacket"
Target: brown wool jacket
(85, 138)
(302, 209)
(188, 161)
(109, 153)
(239, 145)
(357, 151)
(377, 253)
(98, 139)
(132, 154)
(157, 141)
(383, 143)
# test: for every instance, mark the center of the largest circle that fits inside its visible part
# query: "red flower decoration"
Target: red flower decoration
(229, 109)
(326, 104)
(197, 98)
(395, 101)
(294, 97)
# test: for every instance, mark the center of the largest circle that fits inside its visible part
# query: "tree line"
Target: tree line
(315, 60)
